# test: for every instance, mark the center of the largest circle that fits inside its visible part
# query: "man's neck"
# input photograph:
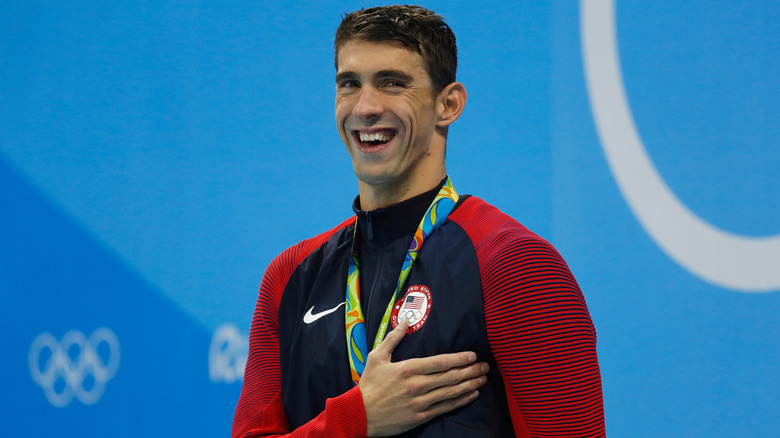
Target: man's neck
(378, 196)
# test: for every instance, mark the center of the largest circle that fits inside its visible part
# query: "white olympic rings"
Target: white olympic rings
(71, 361)
(742, 263)
(411, 315)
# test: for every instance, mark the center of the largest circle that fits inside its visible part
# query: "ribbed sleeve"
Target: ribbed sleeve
(260, 412)
(538, 325)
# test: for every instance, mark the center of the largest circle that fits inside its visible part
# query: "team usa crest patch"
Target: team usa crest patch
(414, 306)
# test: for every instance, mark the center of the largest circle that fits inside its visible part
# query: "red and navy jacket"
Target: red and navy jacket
(495, 288)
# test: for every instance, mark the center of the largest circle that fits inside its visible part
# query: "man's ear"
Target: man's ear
(450, 104)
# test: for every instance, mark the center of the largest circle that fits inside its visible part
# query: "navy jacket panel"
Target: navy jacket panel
(314, 360)
(313, 355)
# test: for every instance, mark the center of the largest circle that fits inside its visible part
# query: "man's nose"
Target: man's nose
(369, 104)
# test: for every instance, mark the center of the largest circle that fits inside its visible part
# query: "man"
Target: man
(487, 332)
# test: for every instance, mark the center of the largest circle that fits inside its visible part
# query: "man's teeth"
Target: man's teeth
(374, 137)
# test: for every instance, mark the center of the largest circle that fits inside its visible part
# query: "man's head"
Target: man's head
(396, 96)
(415, 28)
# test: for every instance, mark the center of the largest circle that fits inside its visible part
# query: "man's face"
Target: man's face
(385, 111)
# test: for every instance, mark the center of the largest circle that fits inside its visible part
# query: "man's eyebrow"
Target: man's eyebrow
(398, 74)
(345, 75)
(382, 74)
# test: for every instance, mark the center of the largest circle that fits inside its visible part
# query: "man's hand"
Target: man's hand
(402, 395)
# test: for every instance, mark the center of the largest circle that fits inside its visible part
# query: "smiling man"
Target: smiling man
(428, 313)
(393, 119)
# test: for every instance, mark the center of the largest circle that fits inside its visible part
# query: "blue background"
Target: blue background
(155, 156)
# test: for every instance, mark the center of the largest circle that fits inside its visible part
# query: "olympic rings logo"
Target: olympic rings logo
(75, 366)
(412, 316)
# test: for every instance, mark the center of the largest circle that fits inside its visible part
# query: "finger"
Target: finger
(454, 392)
(442, 362)
(394, 337)
(451, 404)
(451, 380)
(455, 376)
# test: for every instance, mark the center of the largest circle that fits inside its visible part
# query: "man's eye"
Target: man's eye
(395, 84)
(348, 85)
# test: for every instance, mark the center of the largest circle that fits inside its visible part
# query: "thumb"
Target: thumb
(394, 338)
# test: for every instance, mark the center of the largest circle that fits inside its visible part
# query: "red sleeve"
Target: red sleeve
(539, 328)
(260, 412)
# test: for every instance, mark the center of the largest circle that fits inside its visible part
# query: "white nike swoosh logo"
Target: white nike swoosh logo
(309, 317)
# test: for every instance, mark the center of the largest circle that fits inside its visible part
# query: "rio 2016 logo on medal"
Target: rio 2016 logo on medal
(414, 306)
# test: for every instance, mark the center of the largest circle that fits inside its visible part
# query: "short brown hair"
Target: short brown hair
(414, 27)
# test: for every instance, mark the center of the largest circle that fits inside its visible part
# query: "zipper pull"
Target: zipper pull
(370, 226)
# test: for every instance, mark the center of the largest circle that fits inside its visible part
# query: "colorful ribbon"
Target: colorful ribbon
(357, 346)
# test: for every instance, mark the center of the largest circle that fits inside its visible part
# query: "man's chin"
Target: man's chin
(378, 179)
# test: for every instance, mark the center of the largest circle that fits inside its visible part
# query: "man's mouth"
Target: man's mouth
(373, 139)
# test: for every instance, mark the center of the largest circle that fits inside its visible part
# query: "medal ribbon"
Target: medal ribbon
(357, 346)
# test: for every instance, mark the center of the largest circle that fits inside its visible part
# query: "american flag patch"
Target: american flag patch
(413, 303)
(414, 306)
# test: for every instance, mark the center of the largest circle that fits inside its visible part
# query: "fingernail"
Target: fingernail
(472, 357)
(484, 368)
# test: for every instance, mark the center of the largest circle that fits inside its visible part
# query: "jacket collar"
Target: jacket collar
(395, 220)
